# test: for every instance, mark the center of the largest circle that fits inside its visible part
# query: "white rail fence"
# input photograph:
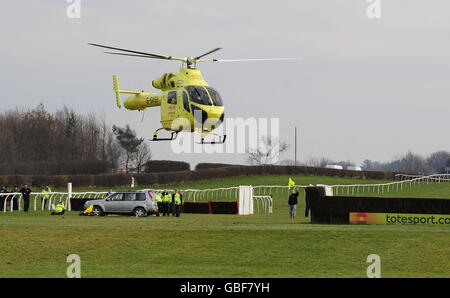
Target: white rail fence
(341, 189)
(430, 178)
(264, 204)
(38, 197)
(352, 189)
(195, 195)
(261, 192)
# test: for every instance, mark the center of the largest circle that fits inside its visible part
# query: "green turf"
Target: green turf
(36, 244)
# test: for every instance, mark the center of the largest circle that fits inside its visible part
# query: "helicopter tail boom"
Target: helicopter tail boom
(142, 100)
(138, 101)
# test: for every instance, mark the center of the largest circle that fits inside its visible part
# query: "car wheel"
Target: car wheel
(139, 211)
(97, 211)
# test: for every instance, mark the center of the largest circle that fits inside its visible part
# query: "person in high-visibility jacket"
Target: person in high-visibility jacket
(177, 202)
(166, 198)
(159, 203)
(45, 196)
(60, 209)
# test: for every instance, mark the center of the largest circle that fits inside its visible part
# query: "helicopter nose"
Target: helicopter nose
(210, 119)
(214, 120)
(215, 115)
(200, 115)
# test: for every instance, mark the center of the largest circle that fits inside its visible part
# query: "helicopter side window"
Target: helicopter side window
(215, 96)
(186, 102)
(198, 94)
(172, 97)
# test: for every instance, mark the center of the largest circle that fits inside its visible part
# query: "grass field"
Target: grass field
(203, 245)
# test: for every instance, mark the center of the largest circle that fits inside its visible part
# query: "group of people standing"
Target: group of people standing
(26, 194)
(15, 196)
(169, 203)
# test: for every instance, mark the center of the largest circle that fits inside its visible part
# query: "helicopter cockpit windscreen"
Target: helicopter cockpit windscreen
(215, 96)
(198, 94)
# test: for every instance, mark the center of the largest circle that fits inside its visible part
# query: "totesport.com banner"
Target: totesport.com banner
(399, 218)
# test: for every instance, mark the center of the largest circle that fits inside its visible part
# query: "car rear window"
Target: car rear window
(140, 197)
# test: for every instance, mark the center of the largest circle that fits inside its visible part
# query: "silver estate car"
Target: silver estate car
(127, 202)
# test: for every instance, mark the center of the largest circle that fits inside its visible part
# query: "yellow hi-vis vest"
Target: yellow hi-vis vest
(177, 199)
(158, 199)
(44, 193)
(167, 198)
(59, 208)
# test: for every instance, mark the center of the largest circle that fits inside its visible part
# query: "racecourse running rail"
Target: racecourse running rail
(261, 192)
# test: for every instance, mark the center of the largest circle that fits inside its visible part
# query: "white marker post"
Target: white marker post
(270, 204)
(69, 195)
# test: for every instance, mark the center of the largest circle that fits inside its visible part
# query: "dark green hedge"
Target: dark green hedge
(55, 168)
(205, 166)
(157, 166)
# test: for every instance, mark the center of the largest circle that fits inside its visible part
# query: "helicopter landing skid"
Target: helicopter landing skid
(171, 138)
(222, 141)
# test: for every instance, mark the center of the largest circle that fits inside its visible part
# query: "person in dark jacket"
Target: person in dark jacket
(293, 201)
(3, 198)
(26, 191)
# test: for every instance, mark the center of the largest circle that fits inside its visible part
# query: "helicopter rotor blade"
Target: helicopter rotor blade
(139, 54)
(207, 53)
(144, 56)
(134, 55)
(250, 60)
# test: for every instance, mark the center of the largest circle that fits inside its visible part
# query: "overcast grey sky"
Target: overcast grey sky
(367, 88)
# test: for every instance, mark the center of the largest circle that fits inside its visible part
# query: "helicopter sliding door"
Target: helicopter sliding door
(185, 118)
(168, 109)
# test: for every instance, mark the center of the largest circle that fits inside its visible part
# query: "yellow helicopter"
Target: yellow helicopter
(187, 102)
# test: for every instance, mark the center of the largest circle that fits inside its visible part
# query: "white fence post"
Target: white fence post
(69, 195)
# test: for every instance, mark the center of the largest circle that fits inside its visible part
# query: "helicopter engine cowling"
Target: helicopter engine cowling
(166, 81)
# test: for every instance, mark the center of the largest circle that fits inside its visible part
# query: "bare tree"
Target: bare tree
(288, 162)
(318, 162)
(113, 151)
(268, 151)
(141, 156)
(34, 135)
(438, 161)
(128, 141)
(414, 164)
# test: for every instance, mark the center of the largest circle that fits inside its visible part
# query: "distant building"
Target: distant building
(336, 167)
(354, 168)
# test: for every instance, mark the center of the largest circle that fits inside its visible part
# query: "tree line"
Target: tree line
(270, 149)
(37, 136)
(436, 163)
